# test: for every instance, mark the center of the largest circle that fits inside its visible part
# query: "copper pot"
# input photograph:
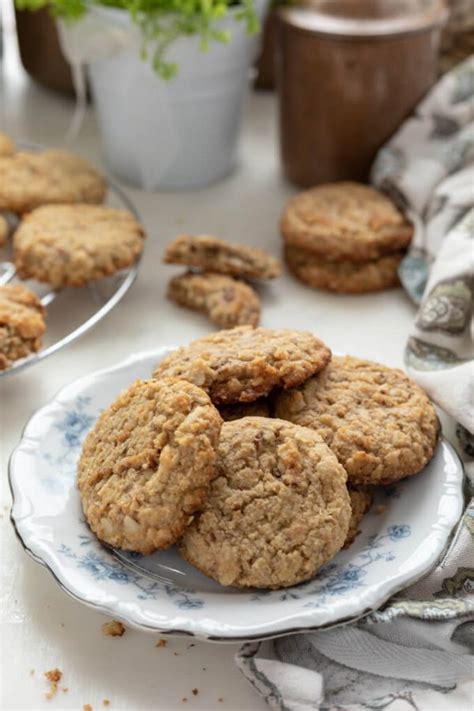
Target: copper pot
(348, 73)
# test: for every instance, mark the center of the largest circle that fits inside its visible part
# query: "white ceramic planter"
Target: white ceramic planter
(173, 134)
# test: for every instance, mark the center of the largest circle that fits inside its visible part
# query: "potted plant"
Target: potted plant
(169, 79)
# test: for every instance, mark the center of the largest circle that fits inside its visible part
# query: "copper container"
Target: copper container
(348, 73)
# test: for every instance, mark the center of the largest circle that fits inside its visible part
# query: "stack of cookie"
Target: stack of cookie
(345, 237)
(218, 288)
(64, 237)
(254, 451)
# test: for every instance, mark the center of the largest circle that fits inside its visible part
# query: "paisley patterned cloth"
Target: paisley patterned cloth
(415, 653)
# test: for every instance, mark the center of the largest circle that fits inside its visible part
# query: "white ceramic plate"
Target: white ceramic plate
(163, 593)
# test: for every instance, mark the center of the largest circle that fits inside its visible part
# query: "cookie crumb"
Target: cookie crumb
(65, 689)
(184, 700)
(32, 671)
(106, 702)
(87, 707)
(113, 628)
(176, 654)
(191, 645)
(380, 509)
(195, 692)
(220, 700)
(161, 643)
(54, 677)
(204, 668)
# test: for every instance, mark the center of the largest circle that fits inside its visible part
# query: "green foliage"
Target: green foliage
(162, 21)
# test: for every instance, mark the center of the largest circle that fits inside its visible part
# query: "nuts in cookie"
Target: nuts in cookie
(146, 465)
(21, 323)
(244, 363)
(381, 426)
(277, 510)
(226, 301)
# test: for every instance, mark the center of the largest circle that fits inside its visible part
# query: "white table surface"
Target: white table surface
(41, 626)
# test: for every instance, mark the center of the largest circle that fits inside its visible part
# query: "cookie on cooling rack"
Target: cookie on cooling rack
(29, 179)
(71, 245)
(21, 323)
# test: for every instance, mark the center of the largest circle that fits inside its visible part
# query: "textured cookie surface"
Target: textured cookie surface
(226, 301)
(361, 501)
(381, 426)
(217, 255)
(21, 323)
(28, 180)
(146, 465)
(7, 147)
(344, 276)
(73, 244)
(244, 363)
(277, 510)
(4, 230)
(345, 221)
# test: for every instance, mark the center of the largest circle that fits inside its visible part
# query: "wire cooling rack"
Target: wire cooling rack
(84, 306)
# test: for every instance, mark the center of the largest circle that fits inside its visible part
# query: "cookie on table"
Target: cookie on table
(21, 323)
(7, 147)
(146, 464)
(361, 500)
(257, 408)
(344, 276)
(244, 363)
(339, 221)
(29, 179)
(381, 426)
(70, 245)
(277, 510)
(215, 254)
(226, 301)
(4, 230)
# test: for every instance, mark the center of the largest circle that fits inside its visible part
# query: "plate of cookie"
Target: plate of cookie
(248, 485)
(65, 231)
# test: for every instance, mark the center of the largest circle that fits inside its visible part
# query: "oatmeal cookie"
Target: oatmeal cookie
(217, 255)
(70, 245)
(4, 230)
(7, 147)
(277, 510)
(361, 501)
(226, 301)
(146, 465)
(341, 221)
(29, 179)
(381, 426)
(244, 363)
(257, 408)
(21, 323)
(344, 276)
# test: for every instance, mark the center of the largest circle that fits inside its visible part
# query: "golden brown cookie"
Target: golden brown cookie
(7, 147)
(4, 230)
(381, 426)
(146, 465)
(277, 510)
(341, 221)
(244, 363)
(216, 255)
(361, 501)
(226, 301)
(70, 245)
(30, 179)
(344, 277)
(257, 408)
(21, 323)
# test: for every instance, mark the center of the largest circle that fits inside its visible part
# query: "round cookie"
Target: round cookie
(31, 179)
(21, 323)
(70, 245)
(226, 301)
(146, 465)
(345, 220)
(381, 426)
(7, 147)
(361, 501)
(216, 255)
(244, 363)
(277, 510)
(344, 277)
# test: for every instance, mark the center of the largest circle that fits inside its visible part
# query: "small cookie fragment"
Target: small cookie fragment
(226, 301)
(114, 628)
(146, 464)
(70, 245)
(257, 408)
(21, 323)
(361, 501)
(344, 277)
(381, 425)
(277, 510)
(4, 230)
(244, 363)
(216, 255)
(7, 147)
(29, 179)
(53, 676)
(346, 220)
